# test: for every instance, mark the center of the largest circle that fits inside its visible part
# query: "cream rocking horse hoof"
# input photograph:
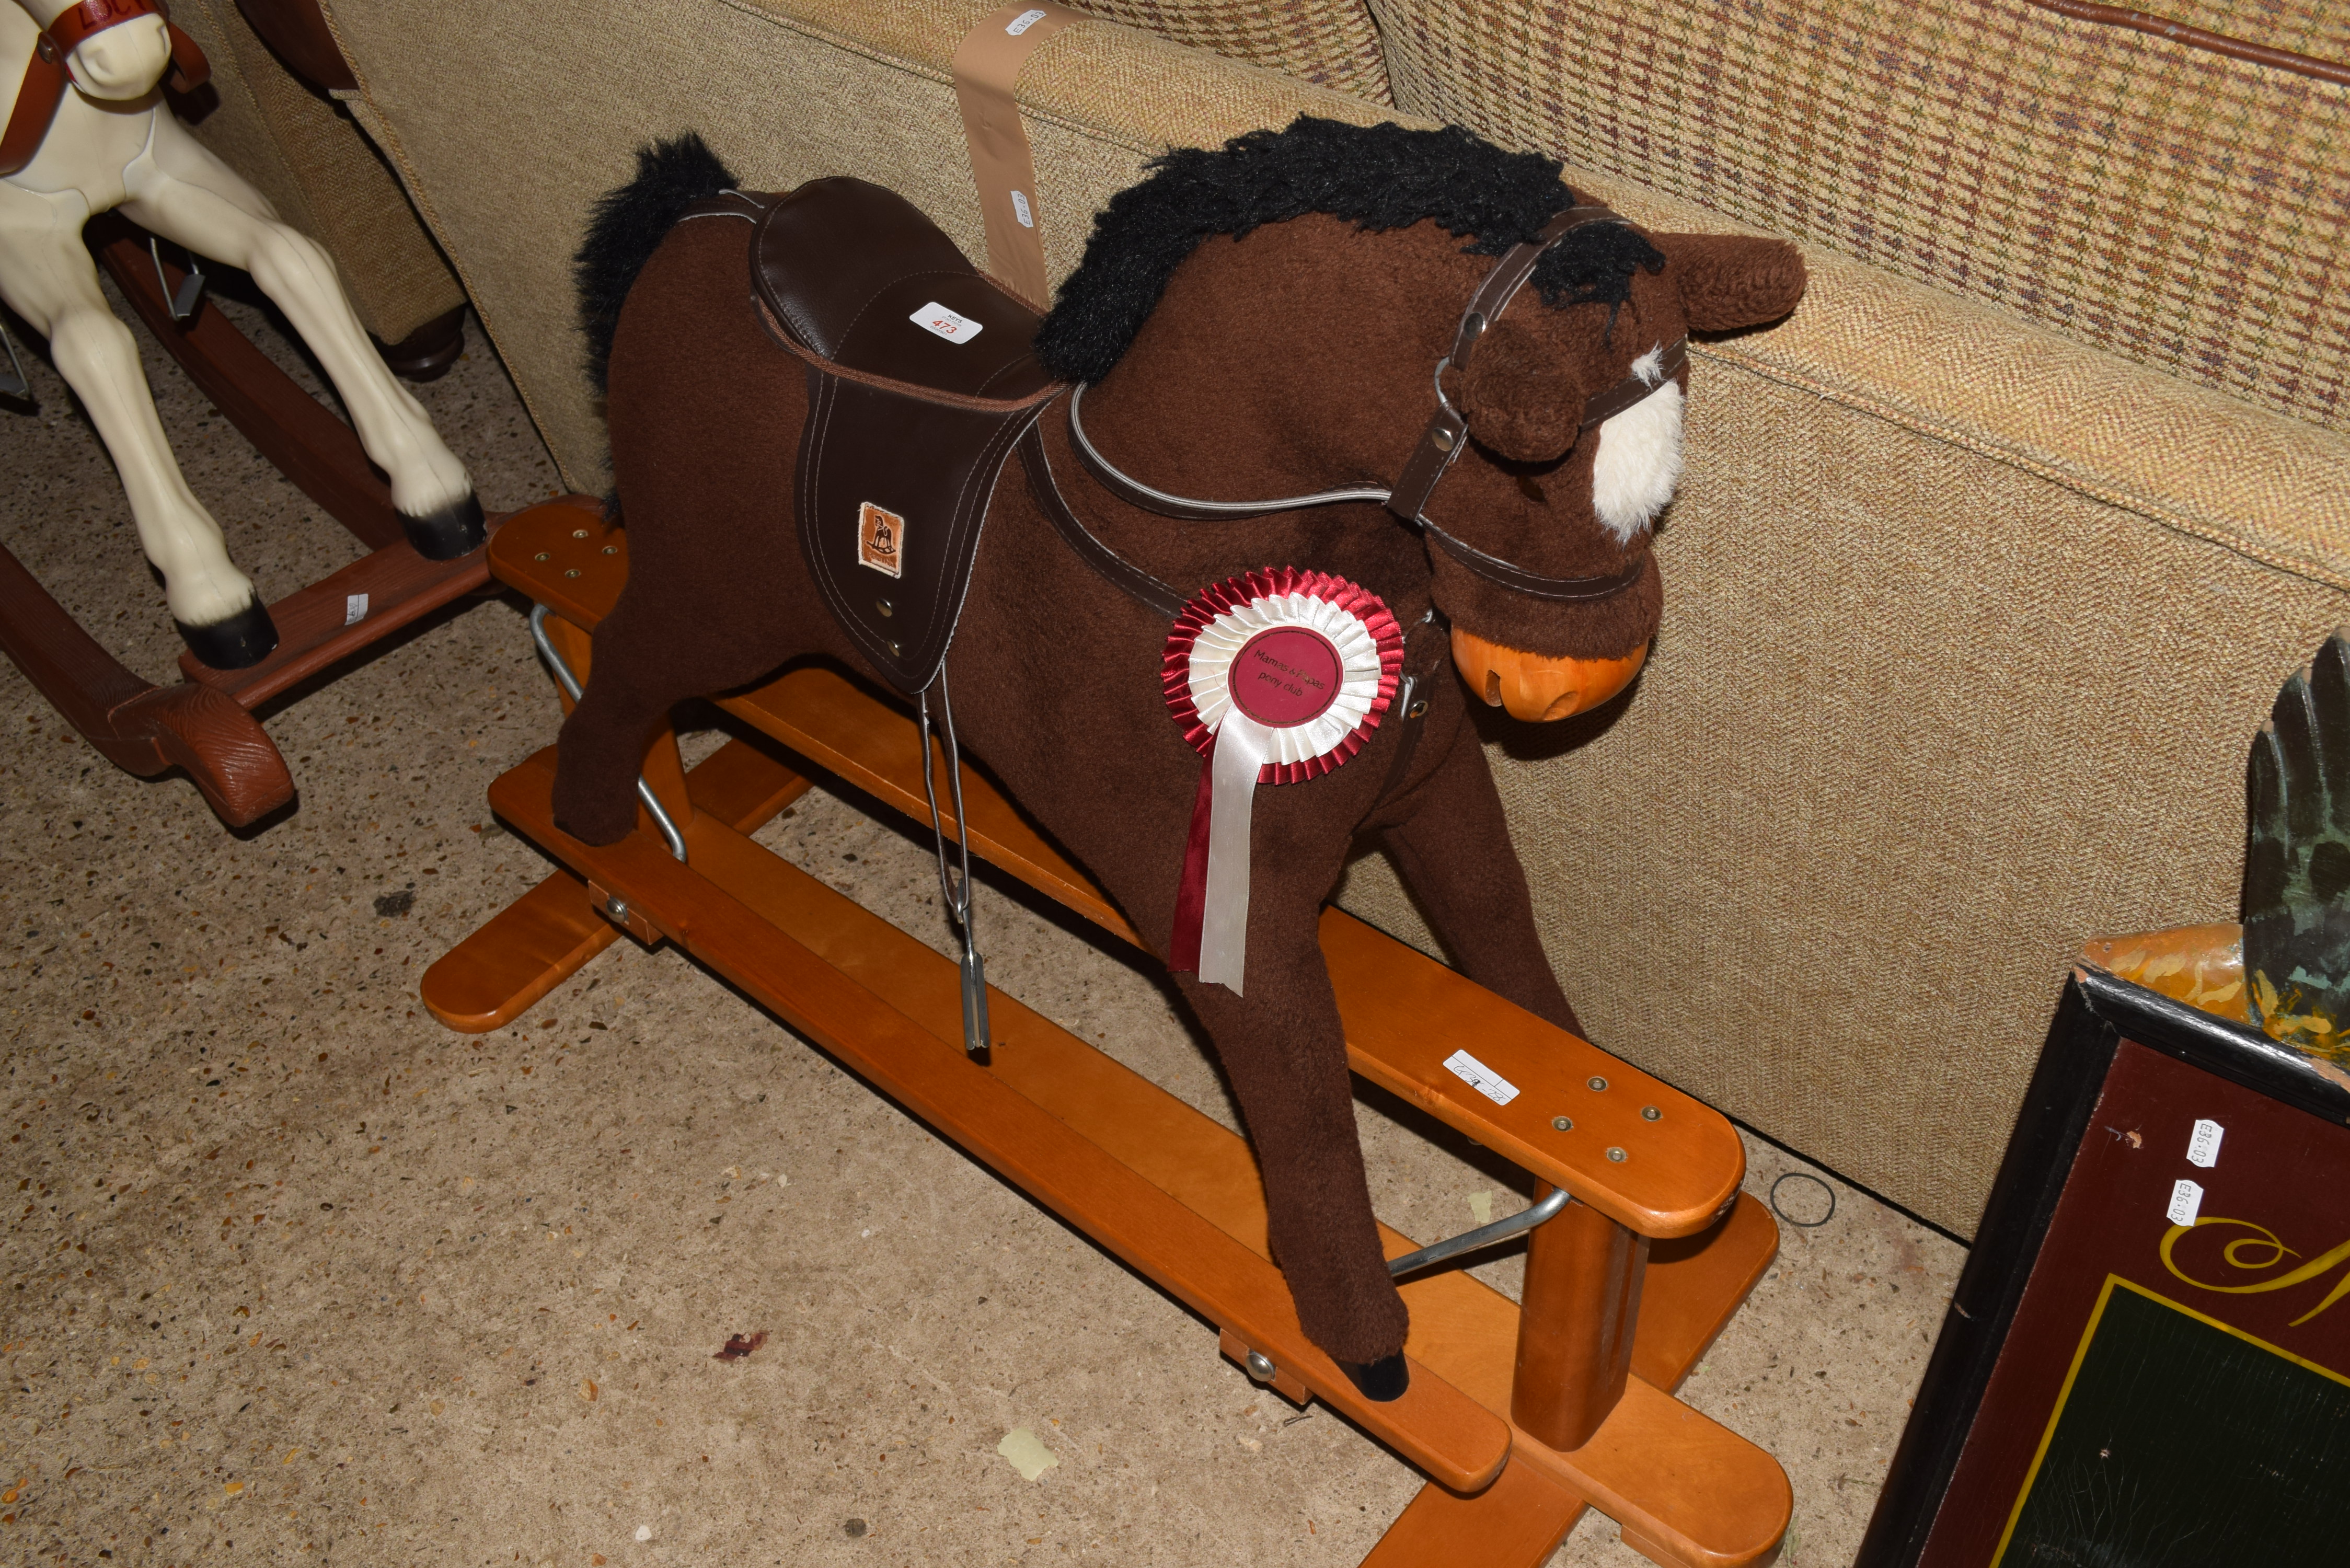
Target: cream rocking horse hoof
(86, 131)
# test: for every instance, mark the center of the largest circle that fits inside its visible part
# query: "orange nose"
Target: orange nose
(1535, 688)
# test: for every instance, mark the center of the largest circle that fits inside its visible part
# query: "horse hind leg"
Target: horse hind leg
(182, 192)
(47, 277)
(635, 678)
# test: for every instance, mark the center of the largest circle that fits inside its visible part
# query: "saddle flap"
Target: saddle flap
(893, 492)
(857, 276)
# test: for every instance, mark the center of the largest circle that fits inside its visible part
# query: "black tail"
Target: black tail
(628, 225)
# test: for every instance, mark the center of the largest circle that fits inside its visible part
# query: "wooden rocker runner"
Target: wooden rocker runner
(1519, 1417)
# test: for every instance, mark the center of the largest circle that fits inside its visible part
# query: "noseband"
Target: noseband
(1440, 444)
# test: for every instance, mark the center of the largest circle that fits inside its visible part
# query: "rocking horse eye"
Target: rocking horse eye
(1531, 488)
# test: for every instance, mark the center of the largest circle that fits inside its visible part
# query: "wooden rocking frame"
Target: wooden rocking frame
(1519, 1416)
(204, 724)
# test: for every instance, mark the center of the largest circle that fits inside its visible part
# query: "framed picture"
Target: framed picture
(2147, 1358)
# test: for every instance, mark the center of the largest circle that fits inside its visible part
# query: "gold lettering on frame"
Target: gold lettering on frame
(2262, 1248)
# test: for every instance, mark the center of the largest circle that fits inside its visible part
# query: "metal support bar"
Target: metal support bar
(191, 292)
(13, 381)
(571, 689)
(1517, 1224)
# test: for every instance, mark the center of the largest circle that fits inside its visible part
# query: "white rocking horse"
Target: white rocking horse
(87, 131)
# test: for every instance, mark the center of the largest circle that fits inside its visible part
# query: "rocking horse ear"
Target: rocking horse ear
(1522, 396)
(1729, 281)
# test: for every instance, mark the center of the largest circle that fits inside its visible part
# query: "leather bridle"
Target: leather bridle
(47, 77)
(1440, 443)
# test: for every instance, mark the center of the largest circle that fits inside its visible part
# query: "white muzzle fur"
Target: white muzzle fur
(1639, 459)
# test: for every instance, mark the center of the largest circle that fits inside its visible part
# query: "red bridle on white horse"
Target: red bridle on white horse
(47, 77)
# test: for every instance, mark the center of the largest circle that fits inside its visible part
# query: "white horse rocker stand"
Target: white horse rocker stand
(86, 133)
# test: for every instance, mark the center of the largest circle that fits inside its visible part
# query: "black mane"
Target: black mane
(628, 225)
(1378, 177)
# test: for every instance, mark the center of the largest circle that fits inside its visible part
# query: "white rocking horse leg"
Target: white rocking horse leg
(178, 190)
(46, 276)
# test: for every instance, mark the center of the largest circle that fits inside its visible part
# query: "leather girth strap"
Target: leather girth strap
(46, 78)
(1108, 564)
(921, 380)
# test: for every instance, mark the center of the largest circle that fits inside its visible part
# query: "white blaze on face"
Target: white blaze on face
(1639, 459)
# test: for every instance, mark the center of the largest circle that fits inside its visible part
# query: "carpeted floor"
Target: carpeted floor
(297, 1275)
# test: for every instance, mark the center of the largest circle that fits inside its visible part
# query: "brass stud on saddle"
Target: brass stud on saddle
(1650, 1114)
(885, 607)
(579, 532)
(1563, 1124)
(1599, 1083)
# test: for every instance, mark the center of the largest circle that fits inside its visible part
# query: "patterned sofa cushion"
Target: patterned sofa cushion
(1331, 43)
(2162, 201)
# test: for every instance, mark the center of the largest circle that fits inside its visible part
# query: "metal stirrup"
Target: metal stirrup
(190, 293)
(955, 891)
(13, 383)
(571, 689)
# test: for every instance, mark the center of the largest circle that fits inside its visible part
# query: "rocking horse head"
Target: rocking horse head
(1333, 338)
(122, 56)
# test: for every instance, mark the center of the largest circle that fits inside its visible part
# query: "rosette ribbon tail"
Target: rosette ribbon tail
(1192, 891)
(1242, 747)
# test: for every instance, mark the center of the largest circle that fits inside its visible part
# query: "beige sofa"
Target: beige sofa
(1975, 591)
(302, 151)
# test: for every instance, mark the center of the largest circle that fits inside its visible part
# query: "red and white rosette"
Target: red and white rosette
(1277, 677)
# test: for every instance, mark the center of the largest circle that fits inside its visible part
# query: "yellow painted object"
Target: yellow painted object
(2202, 966)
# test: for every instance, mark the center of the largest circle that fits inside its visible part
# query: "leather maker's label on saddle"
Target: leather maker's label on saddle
(880, 540)
(953, 326)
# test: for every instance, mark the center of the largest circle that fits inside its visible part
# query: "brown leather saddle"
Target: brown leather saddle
(921, 382)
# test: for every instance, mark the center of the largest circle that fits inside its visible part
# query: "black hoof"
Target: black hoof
(241, 641)
(455, 530)
(1382, 1380)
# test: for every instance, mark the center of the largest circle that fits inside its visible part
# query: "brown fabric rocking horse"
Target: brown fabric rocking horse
(1257, 321)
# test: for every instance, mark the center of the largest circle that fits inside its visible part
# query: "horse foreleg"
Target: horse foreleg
(46, 276)
(1455, 854)
(1285, 1050)
(178, 190)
